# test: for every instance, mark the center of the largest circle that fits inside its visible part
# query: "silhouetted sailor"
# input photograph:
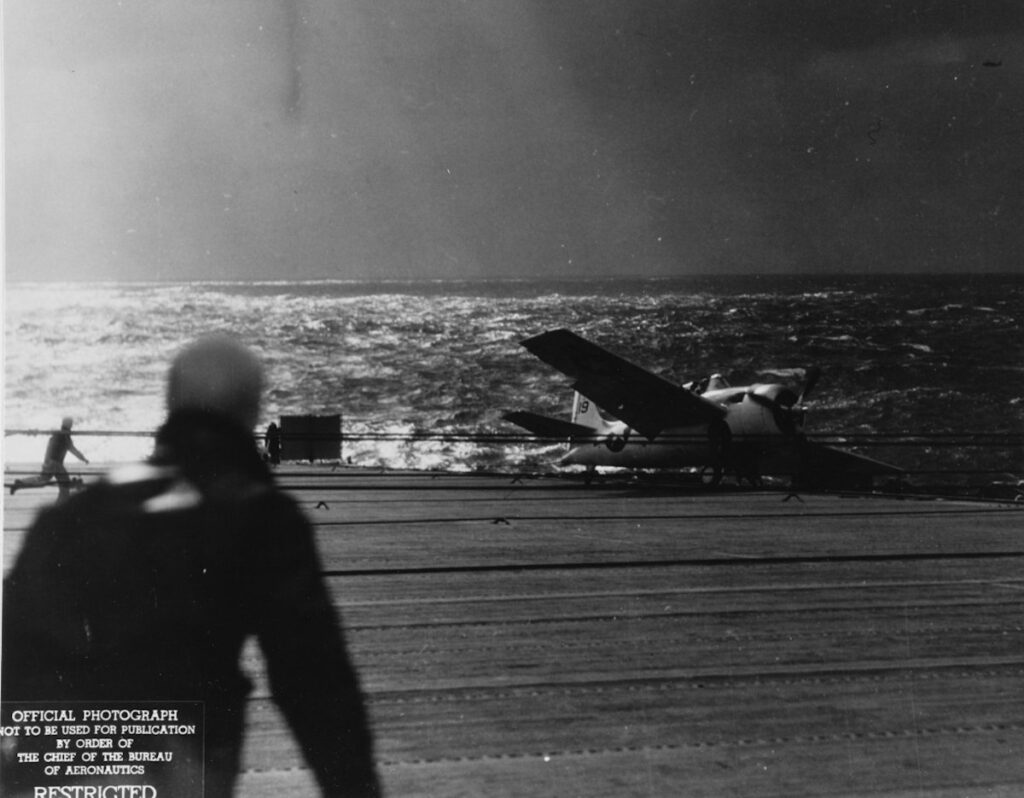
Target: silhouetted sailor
(57, 448)
(272, 440)
(145, 586)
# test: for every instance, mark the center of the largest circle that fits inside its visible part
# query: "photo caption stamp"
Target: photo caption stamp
(101, 749)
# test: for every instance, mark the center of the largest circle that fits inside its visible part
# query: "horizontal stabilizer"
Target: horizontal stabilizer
(547, 427)
(643, 400)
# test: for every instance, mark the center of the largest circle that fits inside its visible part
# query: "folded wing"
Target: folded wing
(643, 400)
(821, 459)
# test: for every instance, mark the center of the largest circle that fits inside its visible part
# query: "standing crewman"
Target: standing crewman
(57, 448)
(272, 440)
(146, 585)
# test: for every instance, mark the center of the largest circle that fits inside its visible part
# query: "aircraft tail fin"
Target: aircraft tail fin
(587, 413)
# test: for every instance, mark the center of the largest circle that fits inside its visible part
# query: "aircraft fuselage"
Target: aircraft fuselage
(747, 423)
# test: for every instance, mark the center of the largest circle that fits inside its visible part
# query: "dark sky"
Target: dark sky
(511, 138)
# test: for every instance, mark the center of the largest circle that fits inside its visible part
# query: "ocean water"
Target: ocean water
(422, 372)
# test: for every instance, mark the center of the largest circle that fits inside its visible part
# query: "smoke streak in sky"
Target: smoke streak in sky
(379, 138)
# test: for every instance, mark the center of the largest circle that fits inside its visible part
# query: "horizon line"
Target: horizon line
(265, 281)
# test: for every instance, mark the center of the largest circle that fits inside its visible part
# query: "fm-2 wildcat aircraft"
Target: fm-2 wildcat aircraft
(624, 416)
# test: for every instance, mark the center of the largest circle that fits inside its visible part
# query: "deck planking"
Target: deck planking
(522, 636)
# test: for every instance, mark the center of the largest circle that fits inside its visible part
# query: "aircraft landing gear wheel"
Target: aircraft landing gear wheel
(588, 476)
(720, 441)
(710, 476)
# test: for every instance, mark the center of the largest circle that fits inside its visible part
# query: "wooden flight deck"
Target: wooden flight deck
(521, 636)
